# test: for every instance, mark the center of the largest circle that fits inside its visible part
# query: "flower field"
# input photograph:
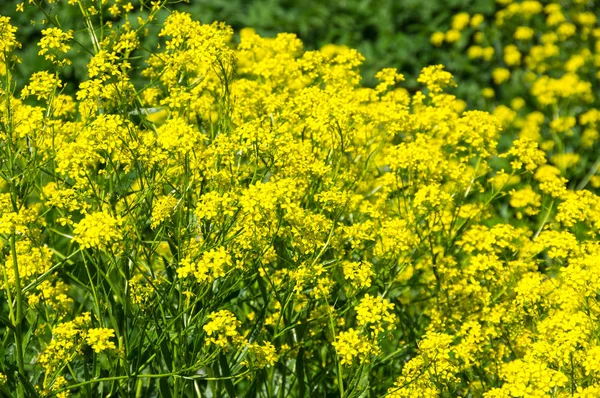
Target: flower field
(211, 213)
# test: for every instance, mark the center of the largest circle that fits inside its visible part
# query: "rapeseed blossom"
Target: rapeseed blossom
(252, 219)
(97, 230)
(99, 339)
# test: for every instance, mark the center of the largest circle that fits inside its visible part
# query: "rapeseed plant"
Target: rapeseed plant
(252, 221)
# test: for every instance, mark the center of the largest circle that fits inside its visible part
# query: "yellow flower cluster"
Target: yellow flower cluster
(54, 45)
(97, 230)
(99, 339)
(8, 41)
(42, 85)
(374, 313)
(222, 329)
(351, 345)
(374, 316)
(67, 342)
(162, 210)
(358, 273)
(211, 264)
(264, 355)
(261, 220)
(66, 339)
(527, 379)
(32, 261)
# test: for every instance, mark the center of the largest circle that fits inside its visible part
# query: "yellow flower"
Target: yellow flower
(358, 273)
(350, 345)
(162, 210)
(42, 84)
(98, 230)
(512, 55)
(527, 199)
(435, 78)
(8, 41)
(211, 264)
(222, 329)
(54, 45)
(476, 20)
(524, 33)
(266, 354)
(500, 75)
(460, 21)
(375, 313)
(488, 92)
(526, 153)
(437, 38)
(99, 339)
(452, 36)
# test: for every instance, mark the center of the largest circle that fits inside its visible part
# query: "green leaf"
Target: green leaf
(166, 352)
(225, 372)
(300, 373)
(165, 388)
(6, 322)
(29, 389)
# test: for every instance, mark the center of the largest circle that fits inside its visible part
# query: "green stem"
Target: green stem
(93, 288)
(19, 297)
(545, 220)
(147, 376)
(339, 365)
(589, 175)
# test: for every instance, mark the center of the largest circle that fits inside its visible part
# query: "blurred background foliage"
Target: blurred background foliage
(389, 33)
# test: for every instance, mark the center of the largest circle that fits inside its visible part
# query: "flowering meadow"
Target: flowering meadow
(212, 213)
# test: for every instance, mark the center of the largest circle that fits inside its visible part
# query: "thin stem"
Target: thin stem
(147, 376)
(545, 220)
(19, 298)
(589, 175)
(339, 365)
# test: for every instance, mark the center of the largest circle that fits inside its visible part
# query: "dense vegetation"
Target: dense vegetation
(188, 209)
